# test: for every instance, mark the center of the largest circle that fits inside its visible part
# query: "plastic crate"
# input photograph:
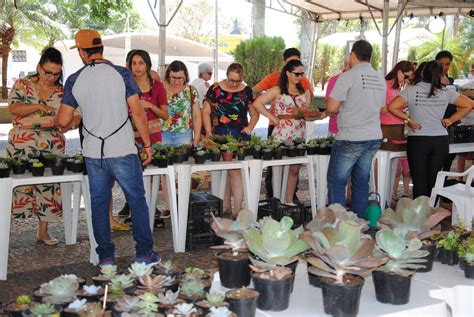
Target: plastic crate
(461, 134)
(199, 233)
(274, 208)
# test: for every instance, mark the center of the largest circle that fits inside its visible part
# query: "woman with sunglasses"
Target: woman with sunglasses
(291, 111)
(397, 80)
(33, 103)
(229, 102)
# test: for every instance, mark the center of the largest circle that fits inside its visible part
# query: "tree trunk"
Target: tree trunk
(7, 39)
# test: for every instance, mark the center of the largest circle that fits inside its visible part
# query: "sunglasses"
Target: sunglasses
(50, 74)
(233, 81)
(298, 74)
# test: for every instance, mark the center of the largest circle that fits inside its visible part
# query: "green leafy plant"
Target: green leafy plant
(450, 241)
(43, 309)
(215, 149)
(148, 304)
(341, 250)
(404, 256)
(23, 300)
(192, 288)
(37, 164)
(466, 249)
(414, 218)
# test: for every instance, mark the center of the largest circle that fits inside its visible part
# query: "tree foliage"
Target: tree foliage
(376, 56)
(260, 56)
(328, 63)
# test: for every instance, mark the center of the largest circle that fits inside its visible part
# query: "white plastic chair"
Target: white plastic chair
(462, 196)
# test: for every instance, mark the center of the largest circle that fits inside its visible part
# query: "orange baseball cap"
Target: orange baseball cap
(87, 38)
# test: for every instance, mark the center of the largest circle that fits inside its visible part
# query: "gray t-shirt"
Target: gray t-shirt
(101, 91)
(361, 91)
(428, 111)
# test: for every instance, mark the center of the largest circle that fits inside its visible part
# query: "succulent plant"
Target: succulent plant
(127, 304)
(3, 165)
(194, 273)
(91, 289)
(78, 305)
(141, 269)
(148, 304)
(43, 309)
(219, 312)
(23, 300)
(125, 281)
(108, 271)
(414, 218)
(466, 249)
(342, 250)
(184, 309)
(166, 266)
(156, 283)
(451, 241)
(274, 243)
(169, 298)
(59, 290)
(232, 231)
(330, 217)
(192, 288)
(214, 299)
(404, 255)
(37, 164)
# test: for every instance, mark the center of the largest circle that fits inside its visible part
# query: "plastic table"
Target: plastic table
(185, 171)
(70, 188)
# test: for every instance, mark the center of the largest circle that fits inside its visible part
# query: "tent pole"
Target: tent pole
(314, 50)
(162, 39)
(396, 42)
(385, 35)
(216, 40)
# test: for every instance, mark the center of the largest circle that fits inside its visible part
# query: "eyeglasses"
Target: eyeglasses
(298, 74)
(233, 81)
(177, 78)
(50, 74)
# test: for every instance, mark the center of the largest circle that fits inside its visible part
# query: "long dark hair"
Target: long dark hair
(432, 75)
(177, 66)
(404, 67)
(418, 73)
(52, 55)
(283, 83)
(146, 58)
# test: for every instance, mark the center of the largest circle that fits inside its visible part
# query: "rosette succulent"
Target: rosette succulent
(184, 309)
(414, 218)
(148, 304)
(192, 289)
(123, 280)
(404, 256)
(43, 310)
(466, 250)
(342, 250)
(214, 299)
(232, 231)
(153, 284)
(330, 216)
(219, 312)
(127, 304)
(59, 290)
(78, 305)
(108, 271)
(23, 300)
(91, 289)
(169, 298)
(141, 269)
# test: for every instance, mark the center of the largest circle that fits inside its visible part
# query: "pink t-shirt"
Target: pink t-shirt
(389, 118)
(332, 120)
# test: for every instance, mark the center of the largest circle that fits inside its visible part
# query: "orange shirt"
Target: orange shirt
(272, 80)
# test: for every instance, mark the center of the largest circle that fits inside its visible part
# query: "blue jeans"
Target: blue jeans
(176, 138)
(127, 171)
(351, 158)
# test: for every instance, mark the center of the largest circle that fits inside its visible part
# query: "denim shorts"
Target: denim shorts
(176, 138)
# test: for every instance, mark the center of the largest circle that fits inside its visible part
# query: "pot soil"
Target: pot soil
(449, 257)
(215, 157)
(430, 247)
(391, 288)
(469, 270)
(37, 171)
(243, 302)
(234, 269)
(274, 294)
(19, 169)
(342, 299)
(267, 155)
(58, 169)
(207, 308)
(227, 156)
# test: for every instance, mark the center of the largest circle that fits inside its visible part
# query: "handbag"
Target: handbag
(393, 137)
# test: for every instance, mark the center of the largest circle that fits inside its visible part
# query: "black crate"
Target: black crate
(461, 134)
(199, 234)
(274, 208)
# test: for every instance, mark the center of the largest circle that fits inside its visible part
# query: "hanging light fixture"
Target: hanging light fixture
(436, 24)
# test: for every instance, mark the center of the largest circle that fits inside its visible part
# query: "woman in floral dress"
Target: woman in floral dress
(33, 103)
(291, 112)
(230, 102)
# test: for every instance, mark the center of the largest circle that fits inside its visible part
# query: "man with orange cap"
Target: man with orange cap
(104, 93)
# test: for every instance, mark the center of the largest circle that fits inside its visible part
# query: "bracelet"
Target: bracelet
(146, 147)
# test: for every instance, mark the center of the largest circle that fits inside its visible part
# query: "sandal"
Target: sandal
(49, 242)
(121, 227)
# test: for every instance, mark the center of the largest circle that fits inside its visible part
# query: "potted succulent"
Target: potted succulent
(185, 310)
(126, 304)
(468, 258)
(220, 312)
(37, 169)
(448, 248)
(18, 166)
(278, 153)
(301, 149)
(257, 152)
(91, 293)
(200, 156)
(240, 153)
(78, 164)
(195, 274)
(181, 154)
(215, 154)
(59, 291)
(21, 304)
(49, 159)
(167, 268)
(466, 246)
(298, 141)
(148, 304)
(226, 152)
(342, 257)
(291, 151)
(57, 166)
(274, 246)
(45, 310)
(68, 162)
(171, 155)
(107, 272)
(392, 280)
(80, 307)
(312, 147)
(213, 299)
(415, 218)
(156, 284)
(168, 300)
(4, 169)
(192, 291)
(234, 263)
(159, 159)
(243, 301)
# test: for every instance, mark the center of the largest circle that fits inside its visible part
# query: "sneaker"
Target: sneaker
(125, 212)
(153, 257)
(165, 214)
(159, 223)
(107, 261)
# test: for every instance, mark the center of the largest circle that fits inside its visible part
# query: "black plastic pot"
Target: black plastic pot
(4, 172)
(171, 160)
(292, 267)
(291, 152)
(274, 294)
(68, 165)
(77, 167)
(215, 157)
(267, 155)
(462, 263)
(311, 150)
(249, 151)
(278, 154)
(324, 150)
(234, 273)
(58, 169)
(18, 169)
(199, 159)
(431, 248)
(314, 280)
(257, 154)
(37, 171)
(301, 151)
(341, 299)
(469, 270)
(243, 306)
(241, 156)
(391, 288)
(449, 257)
(178, 159)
